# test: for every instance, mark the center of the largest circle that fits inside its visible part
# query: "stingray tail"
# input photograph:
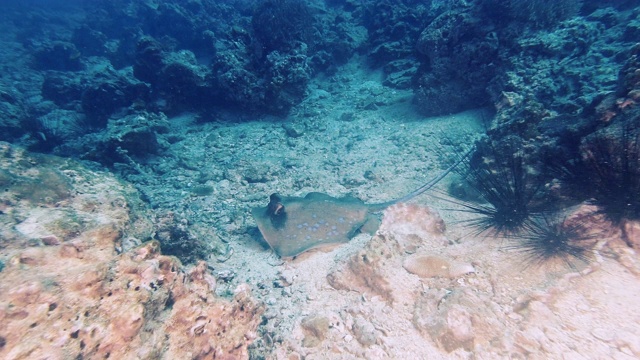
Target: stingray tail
(425, 187)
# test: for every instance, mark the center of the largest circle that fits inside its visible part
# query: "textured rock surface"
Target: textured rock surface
(412, 221)
(432, 266)
(363, 273)
(72, 286)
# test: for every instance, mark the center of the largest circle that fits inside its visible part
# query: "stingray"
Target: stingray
(292, 225)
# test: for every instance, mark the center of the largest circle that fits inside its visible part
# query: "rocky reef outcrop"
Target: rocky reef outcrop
(81, 278)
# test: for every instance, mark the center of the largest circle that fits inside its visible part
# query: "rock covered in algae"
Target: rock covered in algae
(71, 289)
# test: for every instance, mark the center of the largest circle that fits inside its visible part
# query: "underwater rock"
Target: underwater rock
(187, 242)
(183, 81)
(23, 185)
(363, 272)
(433, 266)
(446, 32)
(394, 28)
(12, 113)
(59, 55)
(85, 296)
(632, 233)
(457, 319)
(90, 42)
(400, 73)
(315, 329)
(281, 25)
(549, 100)
(234, 80)
(148, 60)
(101, 99)
(632, 31)
(62, 88)
(280, 84)
(134, 136)
(287, 76)
(176, 76)
(448, 84)
(629, 79)
(364, 331)
(412, 219)
(412, 225)
(137, 134)
(294, 130)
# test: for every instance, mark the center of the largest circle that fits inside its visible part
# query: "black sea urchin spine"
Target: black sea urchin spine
(507, 189)
(547, 238)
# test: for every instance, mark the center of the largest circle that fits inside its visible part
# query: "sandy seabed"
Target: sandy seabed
(79, 283)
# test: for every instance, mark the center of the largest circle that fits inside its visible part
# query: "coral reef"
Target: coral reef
(124, 141)
(261, 58)
(535, 13)
(279, 25)
(446, 84)
(59, 55)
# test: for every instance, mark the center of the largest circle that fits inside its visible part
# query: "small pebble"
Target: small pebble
(348, 338)
(50, 240)
(225, 275)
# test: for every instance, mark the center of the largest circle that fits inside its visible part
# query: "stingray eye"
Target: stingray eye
(275, 207)
(278, 209)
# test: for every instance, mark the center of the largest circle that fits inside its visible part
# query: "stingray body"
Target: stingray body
(293, 225)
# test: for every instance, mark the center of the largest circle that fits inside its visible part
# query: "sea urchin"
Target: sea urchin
(507, 189)
(547, 238)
